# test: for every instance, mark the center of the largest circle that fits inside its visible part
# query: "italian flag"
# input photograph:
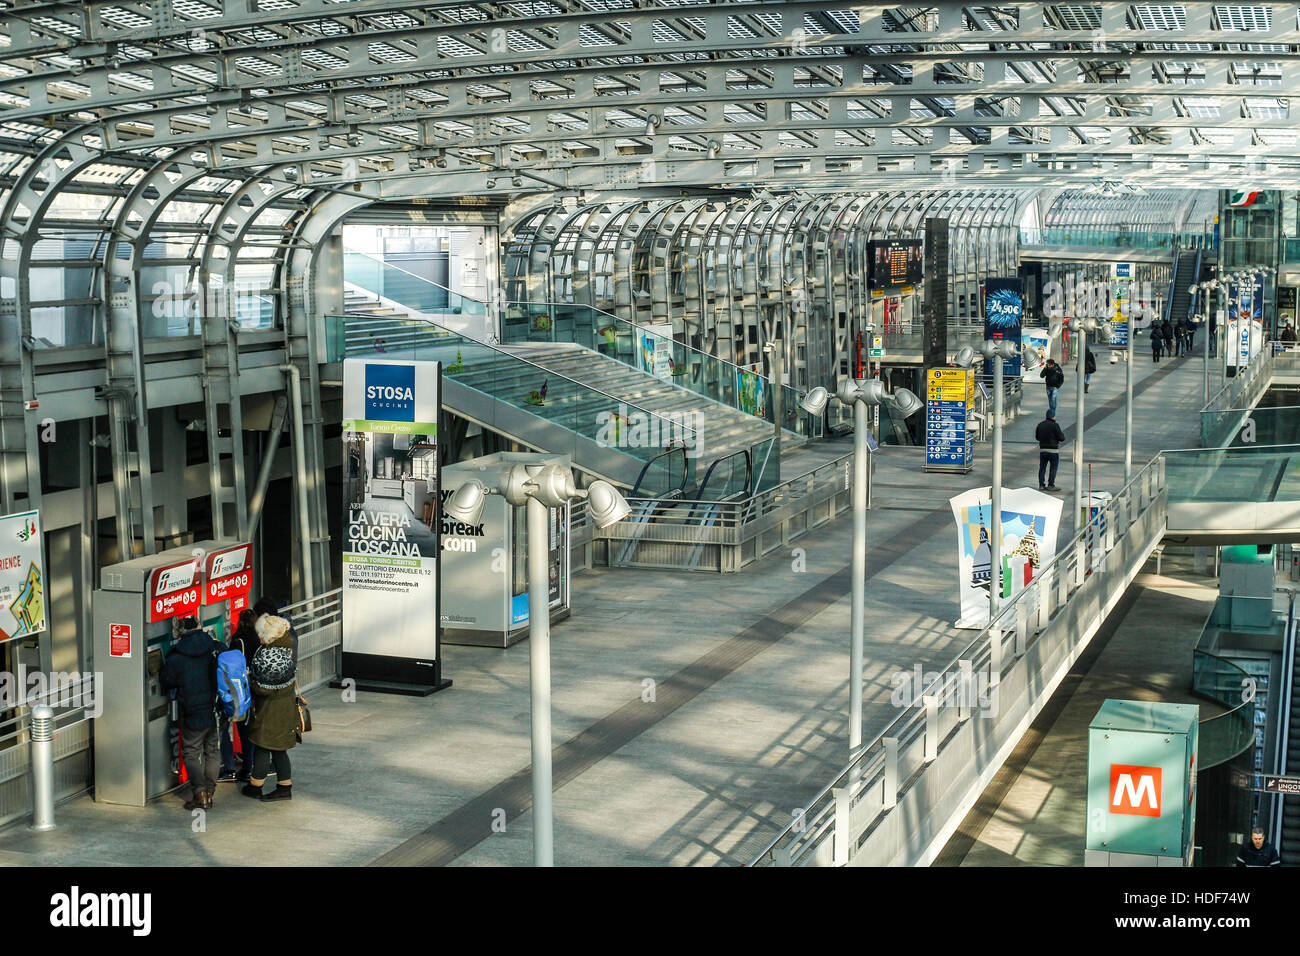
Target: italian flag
(1243, 197)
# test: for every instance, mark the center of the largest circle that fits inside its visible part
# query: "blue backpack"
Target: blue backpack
(232, 684)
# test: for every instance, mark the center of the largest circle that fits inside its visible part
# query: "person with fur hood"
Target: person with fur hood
(273, 726)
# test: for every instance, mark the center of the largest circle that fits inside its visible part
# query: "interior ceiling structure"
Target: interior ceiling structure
(421, 97)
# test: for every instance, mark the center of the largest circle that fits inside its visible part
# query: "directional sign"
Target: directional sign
(1282, 784)
(950, 397)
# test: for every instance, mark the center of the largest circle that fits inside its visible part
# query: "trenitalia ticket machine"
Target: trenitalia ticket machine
(136, 608)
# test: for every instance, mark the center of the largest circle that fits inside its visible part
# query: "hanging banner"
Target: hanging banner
(1030, 522)
(22, 582)
(1003, 312)
(1122, 302)
(390, 537)
(1246, 299)
(1286, 306)
(657, 350)
(750, 387)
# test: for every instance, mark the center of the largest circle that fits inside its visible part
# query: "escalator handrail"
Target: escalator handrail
(749, 476)
(681, 487)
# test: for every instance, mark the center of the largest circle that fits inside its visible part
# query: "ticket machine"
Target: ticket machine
(135, 610)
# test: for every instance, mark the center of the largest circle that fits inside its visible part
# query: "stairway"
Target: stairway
(1180, 299)
(498, 387)
(1290, 848)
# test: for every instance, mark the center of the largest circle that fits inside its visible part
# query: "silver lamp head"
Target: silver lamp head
(1055, 329)
(814, 402)
(466, 502)
(1030, 359)
(965, 357)
(1106, 329)
(605, 505)
(554, 486)
(906, 403)
(514, 484)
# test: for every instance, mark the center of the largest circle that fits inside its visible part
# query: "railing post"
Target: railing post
(965, 690)
(1022, 629)
(1080, 562)
(843, 799)
(1062, 582)
(931, 727)
(1044, 584)
(995, 653)
(42, 741)
(890, 797)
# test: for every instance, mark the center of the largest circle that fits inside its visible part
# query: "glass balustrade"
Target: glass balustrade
(656, 354)
(388, 281)
(1246, 473)
(580, 409)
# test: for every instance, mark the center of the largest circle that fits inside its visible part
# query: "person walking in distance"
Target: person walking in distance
(1089, 366)
(1054, 377)
(1049, 437)
(1156, 340)
(191, 670)
(1167, 330)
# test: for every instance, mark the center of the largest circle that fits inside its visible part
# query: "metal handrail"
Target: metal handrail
(911, 721)
(1284, 740)
(664, 454)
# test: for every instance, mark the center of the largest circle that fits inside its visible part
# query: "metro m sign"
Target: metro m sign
(1135, 790)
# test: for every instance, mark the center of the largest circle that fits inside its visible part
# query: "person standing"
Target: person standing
(1167, 330)
(1191, 334)
(1049, 437)
(1287, 335)
(1156, 340)
(1180, 337)
(273, 727)
(1054, 377)
(245, 641)
(1256, 852)
(1089, 366)
(191, 670)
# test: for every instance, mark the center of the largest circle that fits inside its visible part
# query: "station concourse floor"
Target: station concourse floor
(746, 718)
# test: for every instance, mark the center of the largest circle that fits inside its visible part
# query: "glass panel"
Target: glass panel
(389, 281)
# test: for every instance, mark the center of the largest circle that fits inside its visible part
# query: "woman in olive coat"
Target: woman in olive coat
(273, 728)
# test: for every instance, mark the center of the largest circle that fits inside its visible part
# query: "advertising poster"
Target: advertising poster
(1122, 304)
(1245, 339)
(1286, 306)
(22, 581)
(749, 386)
(1003, 314)
(657, 350)
(949, 401)
(390, 536)
(1246, 299)
(1030, 522)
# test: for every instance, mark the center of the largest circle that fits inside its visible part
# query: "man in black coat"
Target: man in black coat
(1089, 366)
(191, 670)
(1049, 437)
(1255, 852)
(1052, 374)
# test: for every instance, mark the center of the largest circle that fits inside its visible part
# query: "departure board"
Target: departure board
(895, 263)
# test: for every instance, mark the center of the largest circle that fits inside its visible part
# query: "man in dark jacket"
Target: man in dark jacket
(1167, 331)
(1052, 374)
(1049, 437)
(191, 670)
(1089, 366)
(1256, 852)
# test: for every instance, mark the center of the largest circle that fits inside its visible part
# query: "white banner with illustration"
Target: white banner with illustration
(22, 581)
(1030, 522)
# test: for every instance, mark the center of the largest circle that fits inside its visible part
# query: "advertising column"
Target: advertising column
(1121, 295)
(390, 553)
(22, 588)
(1003, 309)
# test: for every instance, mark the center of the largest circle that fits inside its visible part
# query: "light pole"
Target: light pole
(1128, 396)
(861, 395)
(540, 488)
(1086, 326)
(996, 350)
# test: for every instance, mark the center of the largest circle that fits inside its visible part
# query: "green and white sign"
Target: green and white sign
(22, 577)
(1141, 784)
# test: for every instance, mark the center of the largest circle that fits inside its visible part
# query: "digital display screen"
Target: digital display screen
(895, 263)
